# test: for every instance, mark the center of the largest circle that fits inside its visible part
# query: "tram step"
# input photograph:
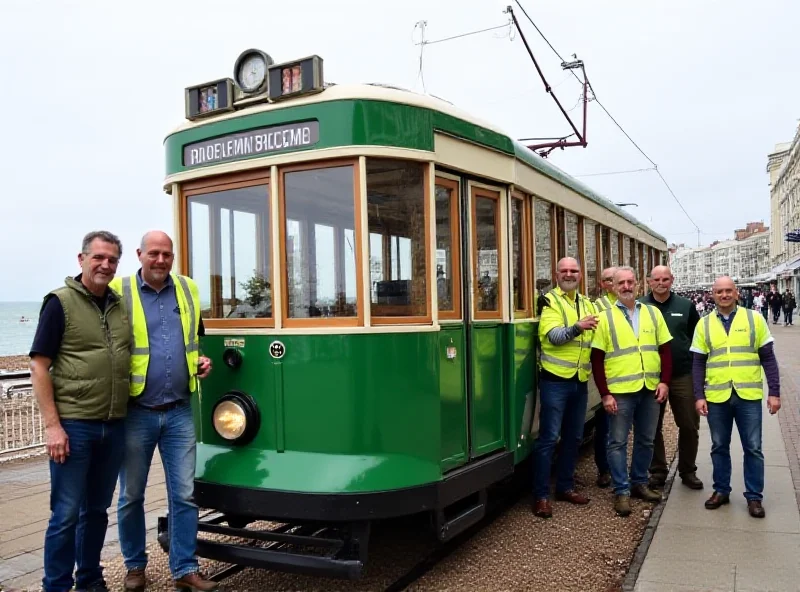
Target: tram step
(452, 521)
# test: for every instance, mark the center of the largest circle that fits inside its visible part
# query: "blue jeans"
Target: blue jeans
(747, 415)
(601, 423)
(640, 411)
(81, 490)
(563, 411)
(173, 432)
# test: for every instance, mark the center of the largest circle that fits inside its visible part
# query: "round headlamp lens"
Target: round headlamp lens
(230, 420)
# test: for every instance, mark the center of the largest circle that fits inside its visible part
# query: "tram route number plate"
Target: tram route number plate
(233, 343)
(277, 350)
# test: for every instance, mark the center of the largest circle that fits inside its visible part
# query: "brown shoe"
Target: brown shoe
(657, 481)
(195, 583)
(645, 493)
(756, 509)
(572, 497)
(691, 481)
(135, 580)
(716, 500)
(622, 505)
(542, 508)
(603, 480)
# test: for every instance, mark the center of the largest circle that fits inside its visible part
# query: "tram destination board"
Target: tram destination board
(253, 142)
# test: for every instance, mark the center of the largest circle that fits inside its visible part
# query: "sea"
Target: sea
(16, 336)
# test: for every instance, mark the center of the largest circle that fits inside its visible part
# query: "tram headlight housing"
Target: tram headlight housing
(236, 418)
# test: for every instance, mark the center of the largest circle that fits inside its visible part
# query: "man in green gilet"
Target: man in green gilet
(681, 317)
(80, 364)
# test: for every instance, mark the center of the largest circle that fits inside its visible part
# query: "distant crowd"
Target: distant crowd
(765, 302)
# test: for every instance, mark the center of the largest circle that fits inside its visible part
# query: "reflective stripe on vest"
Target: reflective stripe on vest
(732, 366)
(188, 301)
(631, 368)
(565, 359)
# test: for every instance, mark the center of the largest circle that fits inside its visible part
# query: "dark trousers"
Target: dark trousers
(787, 316)
(601, 440)
(681, 400)
(776, 314)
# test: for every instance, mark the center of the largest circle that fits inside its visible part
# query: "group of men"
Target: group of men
(114, 364)
(642, 353)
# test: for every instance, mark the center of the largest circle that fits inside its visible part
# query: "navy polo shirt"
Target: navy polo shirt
(167, 373)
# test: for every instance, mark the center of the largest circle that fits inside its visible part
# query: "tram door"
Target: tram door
(483, 320)
(468, 260)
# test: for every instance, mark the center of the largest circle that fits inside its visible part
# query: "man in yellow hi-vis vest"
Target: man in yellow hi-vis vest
(632, 366)
(164, 309)
(565, 334)
(730, 347)
(605, 300)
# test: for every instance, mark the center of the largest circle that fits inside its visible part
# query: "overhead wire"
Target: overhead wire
(596, 100)
(616, 172)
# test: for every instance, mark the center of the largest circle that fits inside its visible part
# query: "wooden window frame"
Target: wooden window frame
(214, 185)
(427, 319)
(598, 245)
(581, 255)
(291, 323)
(527, 264)
(486, 315)
(553, 243)
(620, 249)
(455, 250)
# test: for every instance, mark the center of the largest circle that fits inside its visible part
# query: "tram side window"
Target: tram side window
(590, 268)
(320, 246)
(397, 248)
(573, 243)
(229, 254)
(519, 270)
(544, 249)
(448, 285)
(626, 252)
(486, 251)
(605, 247)
(615, 242)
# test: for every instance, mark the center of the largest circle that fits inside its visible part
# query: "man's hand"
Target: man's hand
(773, 404)
(662, 391)
(702, 407)
(587, 323)
(57, 443)
(203, 367)
(610, 404)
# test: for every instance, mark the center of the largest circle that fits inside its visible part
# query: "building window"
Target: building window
(544, 249)
(320, 245)
(520, 245)
(396, 219)
(228, 230)
(448, 263)
(487, 265)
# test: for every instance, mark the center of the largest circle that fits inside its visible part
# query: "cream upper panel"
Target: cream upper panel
(477, 160)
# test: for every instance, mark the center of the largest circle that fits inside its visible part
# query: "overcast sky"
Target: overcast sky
(91, 88)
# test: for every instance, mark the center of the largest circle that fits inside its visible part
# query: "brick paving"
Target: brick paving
(787, 346)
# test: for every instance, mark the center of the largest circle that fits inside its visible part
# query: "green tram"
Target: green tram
(369, 261)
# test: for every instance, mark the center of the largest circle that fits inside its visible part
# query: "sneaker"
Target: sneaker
(645, 493)
(622, 505)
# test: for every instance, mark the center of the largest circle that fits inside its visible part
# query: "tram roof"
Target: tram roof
(392, 94)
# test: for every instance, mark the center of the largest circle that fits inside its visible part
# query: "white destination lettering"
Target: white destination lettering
(306, 135)
(244, 144)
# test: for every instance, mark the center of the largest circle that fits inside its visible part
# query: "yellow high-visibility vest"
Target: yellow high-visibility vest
(733, 360)
(605, 302)
(188, 296)
(564, 360)
(631, 363)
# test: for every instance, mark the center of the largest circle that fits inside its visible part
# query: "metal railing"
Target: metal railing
(21, 424)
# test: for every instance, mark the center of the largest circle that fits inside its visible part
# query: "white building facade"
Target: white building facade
(783, 166)
(744, 260)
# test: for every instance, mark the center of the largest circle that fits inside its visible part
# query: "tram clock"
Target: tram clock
(211, 98)
(250, 71)
(295, 78)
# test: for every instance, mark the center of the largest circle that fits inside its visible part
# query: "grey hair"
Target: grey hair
(625, 268)
(104, 236)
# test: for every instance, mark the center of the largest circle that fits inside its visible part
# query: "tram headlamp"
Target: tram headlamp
(235, 418)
